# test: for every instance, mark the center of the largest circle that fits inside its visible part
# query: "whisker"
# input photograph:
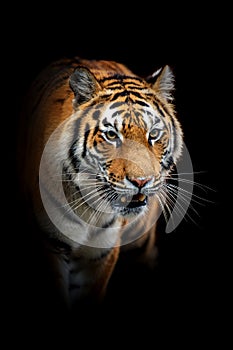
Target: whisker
(188, 194)
(178, 206)
(83, 196)
(158, 194)
(89, 196)
(86, 170)
(101, 207)
(179, 178)
(195, 184)
(171, 208)
(167, 201)
(93, 195)
(184, 200)
(189, 173)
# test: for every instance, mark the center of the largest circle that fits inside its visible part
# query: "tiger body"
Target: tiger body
(98, 145)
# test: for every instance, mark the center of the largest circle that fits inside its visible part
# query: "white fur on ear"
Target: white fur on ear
(156, 73)
(164, 83)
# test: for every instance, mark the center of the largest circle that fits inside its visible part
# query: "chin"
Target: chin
(130, 212)
(129, 207)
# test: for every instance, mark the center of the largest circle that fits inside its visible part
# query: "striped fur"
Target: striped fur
(115, 140)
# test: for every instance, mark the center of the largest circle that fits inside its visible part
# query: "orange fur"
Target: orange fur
(51, 101)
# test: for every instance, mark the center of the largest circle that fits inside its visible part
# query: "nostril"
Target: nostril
(140, 181)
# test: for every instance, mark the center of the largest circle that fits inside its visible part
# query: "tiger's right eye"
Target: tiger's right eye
(111, 135)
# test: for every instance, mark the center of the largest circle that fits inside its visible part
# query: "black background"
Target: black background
(187, 292)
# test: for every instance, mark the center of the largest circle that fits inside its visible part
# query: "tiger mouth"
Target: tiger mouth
(136, 201)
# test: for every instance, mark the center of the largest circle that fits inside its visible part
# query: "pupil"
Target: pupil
(111, 134)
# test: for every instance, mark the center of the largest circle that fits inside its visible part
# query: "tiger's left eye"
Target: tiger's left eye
(111, 135)
(154, 134)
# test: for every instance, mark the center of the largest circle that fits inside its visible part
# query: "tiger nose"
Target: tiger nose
(140, 181)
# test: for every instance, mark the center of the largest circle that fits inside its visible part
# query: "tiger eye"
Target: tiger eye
(154, 134)
(111, 135)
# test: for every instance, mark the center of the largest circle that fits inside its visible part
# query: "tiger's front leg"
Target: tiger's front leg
(89, 275)
(82, 279)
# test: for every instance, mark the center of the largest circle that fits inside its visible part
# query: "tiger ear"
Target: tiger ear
(162, 81)
(83, 84)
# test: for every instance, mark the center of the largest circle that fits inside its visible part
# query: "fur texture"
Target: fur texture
(97, 145)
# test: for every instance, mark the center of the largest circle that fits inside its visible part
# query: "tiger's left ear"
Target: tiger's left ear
(84, 85)
(162, 81)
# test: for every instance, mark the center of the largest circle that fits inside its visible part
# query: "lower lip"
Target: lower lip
(133, 202)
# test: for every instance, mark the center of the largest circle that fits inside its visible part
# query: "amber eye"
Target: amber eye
(154, 134)
(111, 135)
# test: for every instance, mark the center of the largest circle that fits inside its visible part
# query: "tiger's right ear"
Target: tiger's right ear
(162, 81)
(83, 84)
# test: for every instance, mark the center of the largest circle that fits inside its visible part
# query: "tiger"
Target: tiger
(97, 144)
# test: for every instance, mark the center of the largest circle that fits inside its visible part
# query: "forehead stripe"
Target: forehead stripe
(118, 113)
(116, 78)
(119, 94)
(142, 103)
(96, 114)
(116, 105)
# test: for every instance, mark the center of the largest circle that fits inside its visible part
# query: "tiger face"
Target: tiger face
(126, 142)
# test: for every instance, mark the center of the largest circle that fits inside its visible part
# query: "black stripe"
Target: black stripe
(60, 100)
(136, 94)
(159, 109)
(174, 133)
(132, 87)
(73, 156)
(118, 112)
(72, 151)
(116, 104)
(141, 103)
(168, 162)
(124, 86)
(128, 93)
(96, 114)
(86, 134)
(165, 110)
(96, 129)
(119, 94)
(77, 124)
(119, 77)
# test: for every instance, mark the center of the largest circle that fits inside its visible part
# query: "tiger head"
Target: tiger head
(126, 141)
